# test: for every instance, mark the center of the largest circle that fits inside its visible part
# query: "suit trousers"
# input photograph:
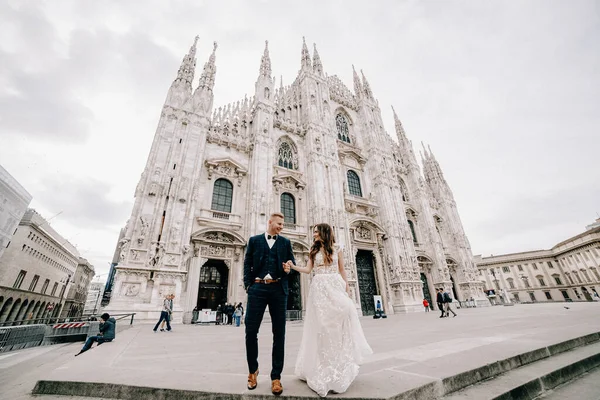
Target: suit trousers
(261, 296)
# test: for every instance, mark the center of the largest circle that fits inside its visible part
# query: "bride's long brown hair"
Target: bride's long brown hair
(325, 242)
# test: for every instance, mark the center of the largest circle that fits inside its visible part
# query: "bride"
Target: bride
(333, 343)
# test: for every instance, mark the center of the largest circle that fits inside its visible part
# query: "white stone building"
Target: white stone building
(314, 150)
(569, 271)
(14, 200)
(94, 297)
(36, 271)
(76, 297)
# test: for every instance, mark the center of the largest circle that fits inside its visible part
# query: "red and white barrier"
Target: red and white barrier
(70, 325)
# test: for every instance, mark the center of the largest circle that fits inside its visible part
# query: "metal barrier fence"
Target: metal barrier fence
(21, 337)
(294, 315)
(70, 332)
(24, 336)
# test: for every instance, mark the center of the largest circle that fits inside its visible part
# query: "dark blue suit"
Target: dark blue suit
(259, 258)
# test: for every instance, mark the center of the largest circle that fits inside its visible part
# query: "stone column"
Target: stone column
(192, 286)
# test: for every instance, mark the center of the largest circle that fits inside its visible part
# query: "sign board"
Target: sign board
(378, 302)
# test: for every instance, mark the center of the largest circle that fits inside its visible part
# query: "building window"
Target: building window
(62, 290)
(586, 275)
(526, 282)
(550, 265)
(54, 289)
(45, 286)
(548, 295)
(19, 279)
(569, 278)
(565, 294)
(511, 283)
(412, 230)
(532, 296)
(534, 265)
(516, 295)
(595, 272)
(354, 184)
(210, 274)
(286, 156)
(505, 269)
(341, 124)
(34, 283)
(557, 279)
(541, 281)
(586, 256)
(520, 268)
(222, 196)
(288, 208)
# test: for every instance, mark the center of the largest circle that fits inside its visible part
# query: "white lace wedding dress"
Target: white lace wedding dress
(333, 343)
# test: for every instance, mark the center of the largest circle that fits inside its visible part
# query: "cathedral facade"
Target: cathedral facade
(315, 151)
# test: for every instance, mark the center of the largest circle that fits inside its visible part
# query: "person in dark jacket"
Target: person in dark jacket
(440, 301)
(107, 333)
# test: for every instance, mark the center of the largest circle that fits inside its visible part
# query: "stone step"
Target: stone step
(521, 376)
(532, 380)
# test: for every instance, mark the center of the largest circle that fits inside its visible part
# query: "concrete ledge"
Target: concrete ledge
(431, 390)
(549, 381)
(489, 371)
(126, 392)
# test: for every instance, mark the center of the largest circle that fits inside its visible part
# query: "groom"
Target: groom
(267, 264)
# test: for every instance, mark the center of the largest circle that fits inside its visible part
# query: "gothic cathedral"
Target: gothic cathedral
(317, 152)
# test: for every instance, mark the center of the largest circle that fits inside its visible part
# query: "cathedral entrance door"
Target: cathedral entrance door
(366, 281)
(212, 290)
(426, 292)
(294, 297)
(454, 288)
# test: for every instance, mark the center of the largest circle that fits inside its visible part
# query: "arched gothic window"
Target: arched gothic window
(286, 156)
(222, 196)
(404, 191)
(412, 230)
(341, 124)
(288, 208)
(354, 184)
(210, 274)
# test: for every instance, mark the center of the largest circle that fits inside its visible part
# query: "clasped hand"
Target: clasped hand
(287, 266)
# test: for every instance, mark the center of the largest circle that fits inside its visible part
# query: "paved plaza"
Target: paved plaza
(409, 351)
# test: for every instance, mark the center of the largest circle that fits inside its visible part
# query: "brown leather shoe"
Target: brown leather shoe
(252, 380)
(276, 387)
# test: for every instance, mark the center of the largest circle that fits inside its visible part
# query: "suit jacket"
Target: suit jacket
(447, 298)
(256, 252)
(440, 298)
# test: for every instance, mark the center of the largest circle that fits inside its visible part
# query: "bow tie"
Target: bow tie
(274, 237)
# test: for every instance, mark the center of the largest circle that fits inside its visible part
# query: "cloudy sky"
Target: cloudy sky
(506, 93)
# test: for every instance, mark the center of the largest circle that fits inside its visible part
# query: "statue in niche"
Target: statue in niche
(154, 185)
(175, 230)
(124, 248)
(144, 224)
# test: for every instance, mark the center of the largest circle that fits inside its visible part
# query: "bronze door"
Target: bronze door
(212, 290)
(426, 292)
(294, 297)
(366, 281)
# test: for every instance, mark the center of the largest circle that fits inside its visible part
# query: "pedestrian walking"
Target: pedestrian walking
(426, 305)
(165, 314)
(447, 308)
(440, 301)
